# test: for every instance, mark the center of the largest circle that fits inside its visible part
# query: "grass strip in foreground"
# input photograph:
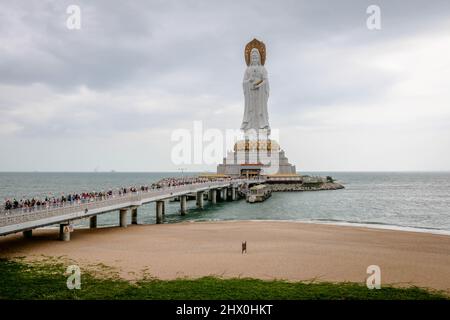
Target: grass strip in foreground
(44, 280)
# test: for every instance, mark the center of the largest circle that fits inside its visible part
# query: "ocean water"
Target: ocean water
(396, 200)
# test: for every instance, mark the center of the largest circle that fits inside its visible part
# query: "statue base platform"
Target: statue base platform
(255, 158)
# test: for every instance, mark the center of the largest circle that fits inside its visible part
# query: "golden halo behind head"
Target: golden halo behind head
(255, 43)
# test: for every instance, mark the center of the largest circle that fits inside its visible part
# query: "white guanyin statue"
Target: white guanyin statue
(256, 91)
(256, 154)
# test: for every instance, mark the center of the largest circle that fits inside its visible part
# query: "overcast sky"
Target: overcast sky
(109, 96)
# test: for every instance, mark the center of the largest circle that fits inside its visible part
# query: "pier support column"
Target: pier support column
(163, 207)
(28, 234)
(123, 218)
(64, 232)
(233, 193)
(213, 196)
(93, 222)
(200, 199)
(183, 204)
(159, 211)
(216, 196)
(134, 216)
(225, 194)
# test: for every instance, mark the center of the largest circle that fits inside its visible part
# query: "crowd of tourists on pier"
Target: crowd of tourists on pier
(84, 197)
(71, 198)
(176, 182)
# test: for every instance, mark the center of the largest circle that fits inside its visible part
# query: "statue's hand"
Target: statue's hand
(257, 86)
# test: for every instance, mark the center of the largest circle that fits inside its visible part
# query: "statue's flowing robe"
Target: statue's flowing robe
(255, 113)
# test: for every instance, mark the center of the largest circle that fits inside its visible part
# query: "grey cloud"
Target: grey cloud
(190, 49)
(127, 41)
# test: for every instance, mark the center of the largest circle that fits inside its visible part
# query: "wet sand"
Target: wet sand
(281, 250)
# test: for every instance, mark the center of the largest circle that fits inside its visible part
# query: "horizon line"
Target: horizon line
(206, 171)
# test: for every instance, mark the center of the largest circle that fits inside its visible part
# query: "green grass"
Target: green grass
(47, 280)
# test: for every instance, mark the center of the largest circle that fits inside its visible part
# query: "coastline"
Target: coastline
(295, 251)
(368, 225)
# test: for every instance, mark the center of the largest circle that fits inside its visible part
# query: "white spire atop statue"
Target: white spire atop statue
(256, 90)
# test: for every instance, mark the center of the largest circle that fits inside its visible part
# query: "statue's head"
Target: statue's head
(255, 58)
(252, 57)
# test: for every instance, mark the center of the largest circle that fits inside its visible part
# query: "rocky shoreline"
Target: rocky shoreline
(283, 187)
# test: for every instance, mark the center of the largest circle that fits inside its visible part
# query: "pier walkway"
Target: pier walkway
(25, 220)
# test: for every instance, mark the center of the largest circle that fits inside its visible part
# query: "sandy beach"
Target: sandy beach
(282, 250)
